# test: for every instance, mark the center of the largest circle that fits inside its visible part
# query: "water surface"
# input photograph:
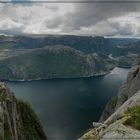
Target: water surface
(67, 107)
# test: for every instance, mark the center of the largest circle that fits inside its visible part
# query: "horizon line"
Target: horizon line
(70, 35)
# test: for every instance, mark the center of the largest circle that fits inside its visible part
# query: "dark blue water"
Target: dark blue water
(67, 107)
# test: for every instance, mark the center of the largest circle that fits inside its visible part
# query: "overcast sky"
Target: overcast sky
(106, 19)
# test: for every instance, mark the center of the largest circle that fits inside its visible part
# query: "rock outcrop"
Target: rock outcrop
(114, 127)
(128, 89)
(120, 119)
(17, 120)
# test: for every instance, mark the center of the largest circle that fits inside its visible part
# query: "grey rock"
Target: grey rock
(119, 131)
(113, 118)
(113, 128)
(96, 124)
(127, 90)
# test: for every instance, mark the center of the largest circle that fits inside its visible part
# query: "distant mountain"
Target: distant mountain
(59, 56)
(130, 48)
(86, 44)
(122, 41)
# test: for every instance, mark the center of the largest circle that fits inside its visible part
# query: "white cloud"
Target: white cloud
(86, 19)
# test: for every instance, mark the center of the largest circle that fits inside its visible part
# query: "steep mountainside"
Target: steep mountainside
(54, 62)
(17, 120)
(120, 119)
(128, 89)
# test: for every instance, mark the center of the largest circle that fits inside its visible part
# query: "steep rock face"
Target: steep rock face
(17, 119)
(114, 127)
(120, 120)
(128, 89)
(131, 86)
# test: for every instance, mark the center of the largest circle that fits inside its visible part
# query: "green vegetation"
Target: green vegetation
(126, 61)
(2, 98)
(133, 115)
(53, 62)
(45, 63)
(3, 95)
(7, 132)
(104, 64)
(29, 126)
(28, 58)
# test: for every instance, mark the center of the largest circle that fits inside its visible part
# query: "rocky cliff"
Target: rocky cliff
(17, 120)
(120, 119)
(128, 89)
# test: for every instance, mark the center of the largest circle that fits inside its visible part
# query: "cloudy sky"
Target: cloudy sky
(107, 19)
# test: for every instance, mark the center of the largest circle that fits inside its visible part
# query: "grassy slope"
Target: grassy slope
(133, 115)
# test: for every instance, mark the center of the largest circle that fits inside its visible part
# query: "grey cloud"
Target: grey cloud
(90, 14)
(53, 8)
(108, 28)
(53, 23)
(125, 29)
(84, 15)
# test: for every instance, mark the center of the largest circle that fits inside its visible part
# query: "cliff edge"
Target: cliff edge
(127, 90)
(120, 119)
(17, 119)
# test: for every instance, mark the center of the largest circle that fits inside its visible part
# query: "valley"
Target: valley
(72, 71)
(67, 107)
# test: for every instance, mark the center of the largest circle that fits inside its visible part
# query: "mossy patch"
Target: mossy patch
(133, 117)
